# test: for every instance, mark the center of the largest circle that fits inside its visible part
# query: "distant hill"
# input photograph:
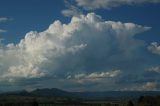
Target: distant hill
(54, 92)
(50, 92)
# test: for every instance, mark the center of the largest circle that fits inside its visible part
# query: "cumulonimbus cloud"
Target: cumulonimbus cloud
(85, 45)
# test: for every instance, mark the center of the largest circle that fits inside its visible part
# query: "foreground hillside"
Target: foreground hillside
(64, 101)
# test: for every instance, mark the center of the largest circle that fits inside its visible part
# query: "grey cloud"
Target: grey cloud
(93, 77)
(108, 4)
(71, 10)
(3, 19)
(2, 31)
(154, 69)
(154, 48)
(147, 86)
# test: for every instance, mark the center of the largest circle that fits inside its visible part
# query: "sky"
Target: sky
(80, 45)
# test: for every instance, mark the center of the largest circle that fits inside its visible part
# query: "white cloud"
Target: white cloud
(22, 71)
(2, 31)
(86, 43)
(155, 69)
(93, 77)
(3, 19)
(107, 4)
(154, 48)
(71, 10)
(147, 86)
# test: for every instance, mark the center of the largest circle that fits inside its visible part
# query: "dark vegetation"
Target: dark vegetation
(56, 97)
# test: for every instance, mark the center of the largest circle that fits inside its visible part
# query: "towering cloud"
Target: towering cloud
(87, 47)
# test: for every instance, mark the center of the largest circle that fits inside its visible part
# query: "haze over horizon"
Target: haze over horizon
(80, 45)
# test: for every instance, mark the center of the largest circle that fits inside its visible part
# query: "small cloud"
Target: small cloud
(71, 10)
(2, 30)
(155, 69)
(5, 19)
(154, 48)
(149, 86)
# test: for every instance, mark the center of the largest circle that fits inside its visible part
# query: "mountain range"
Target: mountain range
(54, 92)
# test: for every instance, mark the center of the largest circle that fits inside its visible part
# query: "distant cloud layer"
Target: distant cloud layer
(94, 77)
(85, 51)
(108, 4)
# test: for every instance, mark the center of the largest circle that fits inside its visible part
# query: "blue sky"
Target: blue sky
(29, 15)
(102, 45)
(36, 15)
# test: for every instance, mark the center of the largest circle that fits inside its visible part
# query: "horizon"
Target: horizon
(80, 45)
(98, 91)
(15, 92)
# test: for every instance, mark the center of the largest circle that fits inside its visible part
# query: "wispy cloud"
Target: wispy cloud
(147, 86)
(2, 30)
(154, 69)
(94, 77)
(4, 19)
(71, 10)
(108, 4)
